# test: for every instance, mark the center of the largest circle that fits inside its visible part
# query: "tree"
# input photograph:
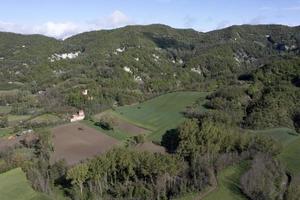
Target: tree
(3, 121)
(107, 122)
(265, 179)
(78, 175)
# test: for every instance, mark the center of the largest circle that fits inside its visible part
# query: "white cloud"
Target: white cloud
(58, 30)
(116, 19)
(63, 30)
(223, 24)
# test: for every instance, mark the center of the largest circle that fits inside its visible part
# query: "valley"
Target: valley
(151, 112)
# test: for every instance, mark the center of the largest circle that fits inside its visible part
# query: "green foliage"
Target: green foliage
(265, 180)
(78, 175)
(123, 173)
(212, 138)
(3, 121)
(107, 122)
(13, 185)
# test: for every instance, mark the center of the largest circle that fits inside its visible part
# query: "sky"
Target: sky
(63, 18)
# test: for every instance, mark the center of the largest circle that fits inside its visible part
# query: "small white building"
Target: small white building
(78, 117)
(85, 92)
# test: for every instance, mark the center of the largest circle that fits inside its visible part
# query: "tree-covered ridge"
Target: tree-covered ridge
(264, 98)
(133, 63)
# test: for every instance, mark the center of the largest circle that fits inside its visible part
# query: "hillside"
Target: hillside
(222, 98)
(133, 63)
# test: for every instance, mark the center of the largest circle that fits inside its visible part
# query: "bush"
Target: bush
(265, 179)
(139, 139)
(3, 121)
(107, 122)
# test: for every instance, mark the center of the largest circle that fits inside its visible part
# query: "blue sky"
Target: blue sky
(60, 18)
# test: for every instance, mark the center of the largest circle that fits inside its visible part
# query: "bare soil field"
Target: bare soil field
(150, 147)
(130, 128)
(75, 142)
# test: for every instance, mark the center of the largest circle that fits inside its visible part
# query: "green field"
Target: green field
(291, 156)
(290, 141)
(228, 184)
(14, 186)
(161, 113)
(117, 134)
(45, 118)
(283, 135)
(9, 92)
(5, 131)
(14, 119)
(5, 109)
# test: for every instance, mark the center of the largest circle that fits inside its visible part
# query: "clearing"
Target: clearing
(75, 142)
(290, 156)
(159, 114)
(14, 186)
(291, 147)
(282, 135)
(229, 184)
(45, 119)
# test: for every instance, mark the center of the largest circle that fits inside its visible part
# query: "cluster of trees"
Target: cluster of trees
(269, 99)
(266, 179)
(107, 122)
(127, 174)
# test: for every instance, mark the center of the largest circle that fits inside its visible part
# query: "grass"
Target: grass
(283, 135)
(291, 156)
(229, 184)
(13, 119)
(161, 113)
(14, 186)
(45, 118)
(291, 147)
(9, 92)
(117, 134)
(5, 109)
(5, 132)
(191, 196)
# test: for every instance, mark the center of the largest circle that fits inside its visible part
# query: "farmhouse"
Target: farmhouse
(84, 92)
(77, 117)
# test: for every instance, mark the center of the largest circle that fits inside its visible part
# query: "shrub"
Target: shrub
(107, 122)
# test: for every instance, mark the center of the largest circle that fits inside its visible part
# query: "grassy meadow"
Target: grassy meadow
(290, 156)
(161, 113)
(14, 186)
(228, 184)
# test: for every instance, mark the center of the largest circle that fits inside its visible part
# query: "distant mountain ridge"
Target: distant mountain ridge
(160, 58)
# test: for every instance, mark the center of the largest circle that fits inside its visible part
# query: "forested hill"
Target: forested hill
(129, 63)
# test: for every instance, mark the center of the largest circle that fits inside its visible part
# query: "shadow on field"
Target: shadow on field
(170, 140)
